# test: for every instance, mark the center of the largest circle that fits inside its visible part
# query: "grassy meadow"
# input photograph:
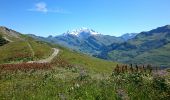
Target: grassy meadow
(72, 83)
(24, 50)
(75, 76)
(72, 75)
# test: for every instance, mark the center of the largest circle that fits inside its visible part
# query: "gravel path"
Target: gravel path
(49, 59)
(32, 51)
(8, 39)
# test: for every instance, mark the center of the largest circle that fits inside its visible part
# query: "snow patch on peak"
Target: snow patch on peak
(128, 36)
(79, 32)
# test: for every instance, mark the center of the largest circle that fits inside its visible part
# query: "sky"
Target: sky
(111, 17)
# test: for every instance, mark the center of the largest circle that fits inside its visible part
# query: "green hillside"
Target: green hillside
(150, 47)
(72, 75)
(158, 56)
(21, 48)
(84, 61)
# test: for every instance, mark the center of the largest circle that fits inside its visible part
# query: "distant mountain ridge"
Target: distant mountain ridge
(128, 36)
(84, 40)
(146, 47)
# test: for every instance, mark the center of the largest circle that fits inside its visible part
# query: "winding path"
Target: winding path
(32, 51)
(49, 59)
(8, 39)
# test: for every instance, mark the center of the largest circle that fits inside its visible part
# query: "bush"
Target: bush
(2, 41)
(161, 87)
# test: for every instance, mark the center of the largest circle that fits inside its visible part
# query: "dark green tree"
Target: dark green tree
(2, 41)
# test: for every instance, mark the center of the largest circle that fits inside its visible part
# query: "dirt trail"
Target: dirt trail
(8, 39)
(32, 51)
(49, 59)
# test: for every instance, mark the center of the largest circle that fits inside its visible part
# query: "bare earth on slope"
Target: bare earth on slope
(49, 59)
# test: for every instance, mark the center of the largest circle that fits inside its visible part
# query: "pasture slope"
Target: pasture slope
(72, 75)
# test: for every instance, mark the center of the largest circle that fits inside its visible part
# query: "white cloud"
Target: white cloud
(42, 7)
(39, 7)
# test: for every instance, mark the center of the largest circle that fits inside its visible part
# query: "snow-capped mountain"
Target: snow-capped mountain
(127, 48)
(128, 36)
(84, 40)
(87, 40)
(81, 33)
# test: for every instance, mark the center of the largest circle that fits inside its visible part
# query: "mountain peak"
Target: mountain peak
(128, 36)
(4, 28)
(162, 29)
(167, 26)
(82, 31)
(7, 32)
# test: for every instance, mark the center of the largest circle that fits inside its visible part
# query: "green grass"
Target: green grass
(63, 83)
(15, 51)
(19, 51)
(158, 56)
(41, 49)
(87, 78)
(91, 63)
(22, 48)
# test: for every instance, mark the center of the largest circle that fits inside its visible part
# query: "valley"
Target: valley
(84, 50)
(33, 68)
(150, 47)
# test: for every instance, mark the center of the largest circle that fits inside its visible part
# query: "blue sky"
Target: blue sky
(113, 17)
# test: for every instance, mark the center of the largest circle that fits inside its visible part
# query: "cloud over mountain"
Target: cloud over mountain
(42, 7)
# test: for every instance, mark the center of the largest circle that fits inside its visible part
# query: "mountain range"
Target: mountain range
(85, 40)
(146, 47)
(26, 71)
(18, 48)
